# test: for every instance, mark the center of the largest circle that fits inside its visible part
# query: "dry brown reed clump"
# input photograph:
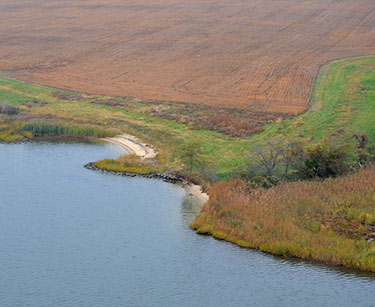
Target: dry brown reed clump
(330, 221)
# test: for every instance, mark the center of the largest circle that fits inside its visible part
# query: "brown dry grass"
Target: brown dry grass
(231, 121)
(257, 54)
(328, 221)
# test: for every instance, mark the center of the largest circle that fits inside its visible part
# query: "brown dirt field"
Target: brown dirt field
(261, 55)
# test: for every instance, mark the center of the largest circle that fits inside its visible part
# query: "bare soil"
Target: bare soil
(261, 55)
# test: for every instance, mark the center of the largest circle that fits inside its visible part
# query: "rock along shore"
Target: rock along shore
(166, 178)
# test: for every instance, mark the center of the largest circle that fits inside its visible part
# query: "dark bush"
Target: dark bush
(294, 161)
(264, 182)
(324, 161)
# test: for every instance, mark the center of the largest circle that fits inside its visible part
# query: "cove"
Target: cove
(73, 237)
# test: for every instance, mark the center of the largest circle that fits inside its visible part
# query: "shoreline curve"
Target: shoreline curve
(134, 145)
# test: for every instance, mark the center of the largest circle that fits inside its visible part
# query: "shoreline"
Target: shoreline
(195, 191)
(134, 145)
(209, 230)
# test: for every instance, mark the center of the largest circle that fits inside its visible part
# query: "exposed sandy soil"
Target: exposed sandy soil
(133, 145)
(257, 54)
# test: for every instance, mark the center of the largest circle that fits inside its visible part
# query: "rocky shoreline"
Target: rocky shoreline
(165, 178)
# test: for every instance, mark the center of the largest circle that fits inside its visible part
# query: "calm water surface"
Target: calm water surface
(74, 237)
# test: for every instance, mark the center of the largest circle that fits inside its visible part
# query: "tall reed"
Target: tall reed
(330, 221)
(55, 128)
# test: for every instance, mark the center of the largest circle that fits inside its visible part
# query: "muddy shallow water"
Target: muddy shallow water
(73, 237)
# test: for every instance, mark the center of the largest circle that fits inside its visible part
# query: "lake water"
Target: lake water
(74, 237)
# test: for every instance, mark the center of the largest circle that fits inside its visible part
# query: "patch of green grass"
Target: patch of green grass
(24, 87)
(128, 164)
(12, 98)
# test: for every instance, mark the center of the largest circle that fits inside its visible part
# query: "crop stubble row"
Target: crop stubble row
(261, 55)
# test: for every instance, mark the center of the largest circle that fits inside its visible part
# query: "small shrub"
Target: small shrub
(265, 182)
(324, 161)
(191, 156)
(364, 156)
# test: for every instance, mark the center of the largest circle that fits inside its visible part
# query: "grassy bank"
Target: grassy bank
(328, 221)
(129, 164)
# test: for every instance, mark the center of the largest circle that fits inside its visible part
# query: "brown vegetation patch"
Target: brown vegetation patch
(66, 96)
(350, 228)
(331, 220)
(32, 103)
(230, 121)
(113, 103)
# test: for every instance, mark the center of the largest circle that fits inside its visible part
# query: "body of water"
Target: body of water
(74, 237)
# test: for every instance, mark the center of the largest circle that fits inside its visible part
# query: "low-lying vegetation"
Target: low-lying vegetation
(230, 121)
(129, 164)
(13, 132)
(331, 221)
(55, 128)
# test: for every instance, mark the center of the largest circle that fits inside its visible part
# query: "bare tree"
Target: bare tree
(293, 157)
(270, 156)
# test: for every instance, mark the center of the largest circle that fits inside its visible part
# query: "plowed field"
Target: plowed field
(261, 55)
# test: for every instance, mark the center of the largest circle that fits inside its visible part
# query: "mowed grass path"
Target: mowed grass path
(343, 103)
